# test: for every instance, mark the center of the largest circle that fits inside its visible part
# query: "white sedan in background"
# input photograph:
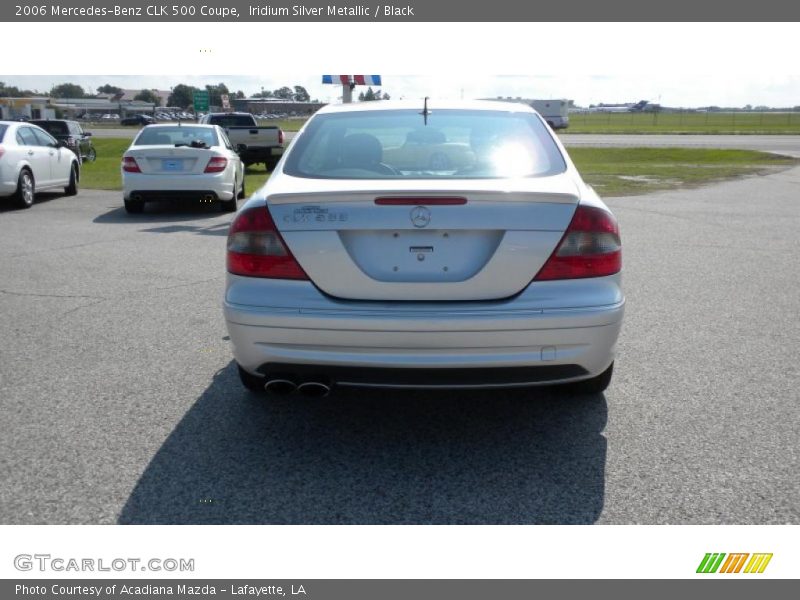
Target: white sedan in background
(172, 162)
(32, 160)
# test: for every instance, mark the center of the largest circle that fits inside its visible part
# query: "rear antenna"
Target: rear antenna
(425, 112)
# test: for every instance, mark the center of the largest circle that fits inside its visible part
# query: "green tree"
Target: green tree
(301, 94)
(181, 96)
(12, 91)
(284, 93)
(67, 90)
(369, 95)
(215, 93)
(110, 89)
(148, 96)
(239, 94)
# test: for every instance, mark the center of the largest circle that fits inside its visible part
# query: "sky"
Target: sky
(674, 64)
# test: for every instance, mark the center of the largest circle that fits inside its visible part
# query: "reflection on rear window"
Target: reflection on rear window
(175, 136)
(452, 144)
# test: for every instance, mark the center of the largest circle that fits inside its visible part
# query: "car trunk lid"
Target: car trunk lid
(171, 160)
(455, 240)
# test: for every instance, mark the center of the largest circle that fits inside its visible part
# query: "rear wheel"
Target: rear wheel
(26, 189)
(72, 188)
(134, 206)
(242, 193)
(254, 383)
(91, 155)
(595, 385)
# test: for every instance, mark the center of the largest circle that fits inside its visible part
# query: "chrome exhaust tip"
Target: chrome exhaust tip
(314, 389)
(280, 386)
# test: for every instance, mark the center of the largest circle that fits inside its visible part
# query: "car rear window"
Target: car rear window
(53, 127)
(182, 135)
(3, 129)
(449, 144)
(233, 121)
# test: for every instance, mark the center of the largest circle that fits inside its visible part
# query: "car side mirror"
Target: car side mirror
(241, 148)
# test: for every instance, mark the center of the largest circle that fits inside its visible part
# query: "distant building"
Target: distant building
(26, 108)
(162, 94)
(78, 107)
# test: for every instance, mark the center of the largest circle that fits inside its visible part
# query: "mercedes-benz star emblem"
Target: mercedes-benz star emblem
(420, 216)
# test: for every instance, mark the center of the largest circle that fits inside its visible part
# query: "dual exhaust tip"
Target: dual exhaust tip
(309, 389)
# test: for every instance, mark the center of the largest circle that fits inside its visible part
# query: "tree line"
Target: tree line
(181, 95)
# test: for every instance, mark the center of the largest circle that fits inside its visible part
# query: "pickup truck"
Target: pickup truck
(258, 144)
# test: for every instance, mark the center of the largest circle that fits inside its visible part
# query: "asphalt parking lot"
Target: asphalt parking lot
(121, 404)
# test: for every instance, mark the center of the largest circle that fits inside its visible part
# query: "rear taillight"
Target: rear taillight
(280, 136)
(2, 151)
(129, 165)
(256, 249)
(71, 141)
(216, 164)
(590, 247)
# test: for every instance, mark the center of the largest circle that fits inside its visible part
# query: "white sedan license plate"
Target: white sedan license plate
(172, 165)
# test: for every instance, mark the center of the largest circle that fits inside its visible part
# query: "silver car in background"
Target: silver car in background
(480, 260)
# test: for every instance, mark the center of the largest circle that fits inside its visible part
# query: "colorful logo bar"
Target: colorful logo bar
(713, 562)
(352, 79)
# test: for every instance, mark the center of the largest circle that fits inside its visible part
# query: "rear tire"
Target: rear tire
(91, 155)
(589, 387)
(26, 189)
(254, 383)
(72, 188)
(242, 193)
(134, 206)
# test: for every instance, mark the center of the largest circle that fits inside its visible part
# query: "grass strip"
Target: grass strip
(612, 171)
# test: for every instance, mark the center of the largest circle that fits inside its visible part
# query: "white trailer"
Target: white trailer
(553, 111)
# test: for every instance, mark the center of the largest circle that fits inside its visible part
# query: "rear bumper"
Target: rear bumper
(151, 195)
(8, 180)
(510, 342)
(190, 186)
